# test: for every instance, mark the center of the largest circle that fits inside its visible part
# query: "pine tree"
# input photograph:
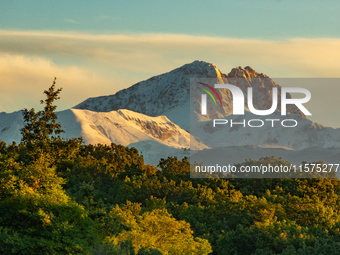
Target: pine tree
(42, 127)
(41, 139)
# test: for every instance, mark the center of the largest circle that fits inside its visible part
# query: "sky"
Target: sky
(97, 48)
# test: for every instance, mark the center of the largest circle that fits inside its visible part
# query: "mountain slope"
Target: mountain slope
(156, 95)
(10, 124)
(306, 134)
(169, 94)
(157, 136)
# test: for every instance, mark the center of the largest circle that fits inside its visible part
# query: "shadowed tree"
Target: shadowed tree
(42, 126)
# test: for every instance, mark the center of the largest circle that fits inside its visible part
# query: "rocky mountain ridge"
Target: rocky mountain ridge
(169, 94)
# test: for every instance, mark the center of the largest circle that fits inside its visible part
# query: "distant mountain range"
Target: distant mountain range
(154, 116)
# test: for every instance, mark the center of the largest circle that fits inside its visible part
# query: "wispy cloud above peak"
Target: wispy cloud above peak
(107, 17)
(70, 20)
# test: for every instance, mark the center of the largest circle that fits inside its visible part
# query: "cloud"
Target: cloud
(107, 17)
(89, 65)
(70, 20)
(23, 80)
(153, 53)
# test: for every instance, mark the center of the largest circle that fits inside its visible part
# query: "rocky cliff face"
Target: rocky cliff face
(262, 88)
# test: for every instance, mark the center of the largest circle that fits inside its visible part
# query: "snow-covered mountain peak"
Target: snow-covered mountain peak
(199, 69)
(157, 95)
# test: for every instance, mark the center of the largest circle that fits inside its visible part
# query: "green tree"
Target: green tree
(42, 127)
(36, 216)
(41, 130)
(158, 230)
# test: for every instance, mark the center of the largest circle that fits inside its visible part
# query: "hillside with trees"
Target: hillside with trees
(60, 196)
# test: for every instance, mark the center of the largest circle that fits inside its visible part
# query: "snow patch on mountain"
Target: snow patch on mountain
(10, 124)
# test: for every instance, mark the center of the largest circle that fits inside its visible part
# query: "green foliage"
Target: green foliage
(217, 208)
(149, 251)
(36, 214)
(158, 229)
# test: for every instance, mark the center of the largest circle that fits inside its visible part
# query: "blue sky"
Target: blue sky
(262, 19)
(97, 48)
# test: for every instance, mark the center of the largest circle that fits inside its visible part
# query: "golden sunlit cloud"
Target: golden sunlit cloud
(90, 65)
(157, 52)
(23, 80)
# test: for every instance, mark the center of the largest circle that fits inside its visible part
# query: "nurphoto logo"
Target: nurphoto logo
(238, 104)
